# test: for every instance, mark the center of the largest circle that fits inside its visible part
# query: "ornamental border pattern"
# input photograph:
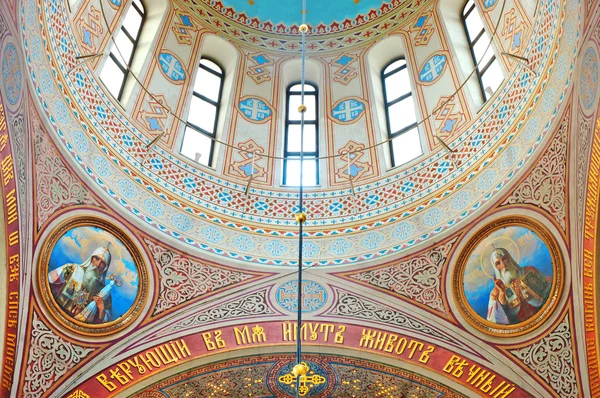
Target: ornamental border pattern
(110, 146)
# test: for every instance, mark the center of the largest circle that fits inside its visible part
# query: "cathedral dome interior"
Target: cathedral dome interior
(169, 167)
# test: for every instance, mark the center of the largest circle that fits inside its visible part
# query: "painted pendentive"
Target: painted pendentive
(509, 277)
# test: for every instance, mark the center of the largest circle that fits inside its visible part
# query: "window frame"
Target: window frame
(387, 104)
(471, 43)
(313, 155)
(115, 58)
(216, 104)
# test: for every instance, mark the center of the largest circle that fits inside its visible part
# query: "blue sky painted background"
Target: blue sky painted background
(77, 244)
(523, 244)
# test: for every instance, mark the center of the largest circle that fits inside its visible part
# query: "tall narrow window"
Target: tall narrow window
(115, 70)
(291, 152)
(203, 113)
(405, 144)
(489, 73)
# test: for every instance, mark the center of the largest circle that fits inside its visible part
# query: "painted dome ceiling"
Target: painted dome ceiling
(274, 13)
(383, 212)
(197, 291)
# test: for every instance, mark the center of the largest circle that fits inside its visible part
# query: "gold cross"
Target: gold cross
(306, 382)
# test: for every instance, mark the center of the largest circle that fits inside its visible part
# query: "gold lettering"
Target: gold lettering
(327, 328)
(389, 346)
(455, 366)
(183, 348)
(11, 207)
(487, 386)
(287, 331)
(3, 139)
(115, 374)
(401, 346)
(14, 268)
(135, 362)
(150, 359)
(313, 331)
(258, 334)
(379, 340)
(414, 344)
(109, 385)
(165, 353)
(8, 172)
(339, 336)
(241, 336)
(126, 368)
(424, 358)
(13, 238)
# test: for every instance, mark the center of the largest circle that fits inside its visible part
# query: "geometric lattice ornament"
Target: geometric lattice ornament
(349, 165)
(513, 32)
(260, 67)
(248, 162)
(343, 71)
(154, 115)
(422, 29)
(91, 27)
(447, 116)
(183, 27)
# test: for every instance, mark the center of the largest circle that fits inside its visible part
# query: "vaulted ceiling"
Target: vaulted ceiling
(402, 294)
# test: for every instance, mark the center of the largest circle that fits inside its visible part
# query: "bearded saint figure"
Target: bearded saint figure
(76, 287)
(518, 293)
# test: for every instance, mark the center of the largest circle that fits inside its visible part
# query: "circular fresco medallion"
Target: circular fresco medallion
(92, 277)
(508, 277)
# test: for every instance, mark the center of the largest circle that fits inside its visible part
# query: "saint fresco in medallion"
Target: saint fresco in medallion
(92, 276)
(509, 275)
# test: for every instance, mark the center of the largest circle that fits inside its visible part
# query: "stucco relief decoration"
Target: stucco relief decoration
(183, 279)
(352, 306)
(250, 305)
(546, 185)
(508, 277)
(56, 187)
(49, 358)
(553, 359)
(92, 277)
(417, 278)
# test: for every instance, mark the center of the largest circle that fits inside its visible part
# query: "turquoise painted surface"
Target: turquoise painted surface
(288, 12)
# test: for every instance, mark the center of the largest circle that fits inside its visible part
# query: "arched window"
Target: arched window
(291, 151)
(116, 68)
(489, 72)
(405, 144)
(203, 113)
